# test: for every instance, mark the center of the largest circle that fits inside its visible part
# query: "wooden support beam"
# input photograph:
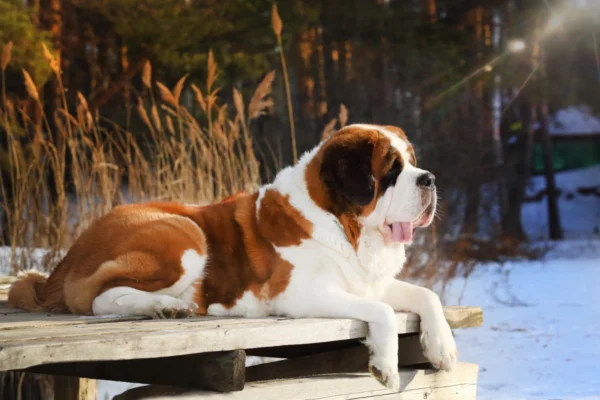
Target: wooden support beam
(460, 383)
(302, 350)
(72, 388)
(409, 345)
(352, 358)
(220, 371)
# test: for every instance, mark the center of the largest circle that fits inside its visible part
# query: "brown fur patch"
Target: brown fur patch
(280, 222)
(139, 246)
(381, 158)
(351, 228)
(241, 258)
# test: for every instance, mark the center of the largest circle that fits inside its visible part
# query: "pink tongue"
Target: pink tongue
(402, 231)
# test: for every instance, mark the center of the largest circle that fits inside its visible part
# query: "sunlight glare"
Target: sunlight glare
(516, 45)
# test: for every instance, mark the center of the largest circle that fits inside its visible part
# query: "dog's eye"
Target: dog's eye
(395, 170)
(390, 177)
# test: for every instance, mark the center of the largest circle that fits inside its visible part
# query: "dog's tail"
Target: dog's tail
(34, 291)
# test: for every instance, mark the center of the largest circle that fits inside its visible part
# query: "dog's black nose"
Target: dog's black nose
(427, 180)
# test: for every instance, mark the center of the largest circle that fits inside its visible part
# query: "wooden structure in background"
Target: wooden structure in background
(206, 357)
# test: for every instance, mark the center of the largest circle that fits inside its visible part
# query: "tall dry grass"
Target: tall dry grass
(179, 158)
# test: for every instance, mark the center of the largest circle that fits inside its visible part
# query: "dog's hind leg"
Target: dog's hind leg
(126, 300)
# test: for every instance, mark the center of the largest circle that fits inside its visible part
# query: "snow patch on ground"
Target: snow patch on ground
(580, 214)
(541, 332)
(109, 389)
(35, 258)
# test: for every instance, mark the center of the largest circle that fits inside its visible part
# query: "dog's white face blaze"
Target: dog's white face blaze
(405, 201)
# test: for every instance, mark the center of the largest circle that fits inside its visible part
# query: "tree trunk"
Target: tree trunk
(331, 100)
(430, 10)
(554, 226)
(518, 172)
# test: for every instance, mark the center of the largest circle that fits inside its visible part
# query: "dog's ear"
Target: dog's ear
(346, 171)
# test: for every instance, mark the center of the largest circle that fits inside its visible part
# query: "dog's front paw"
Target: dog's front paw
(386, 372)
(438, 344)
(173, 313)
(175, 310)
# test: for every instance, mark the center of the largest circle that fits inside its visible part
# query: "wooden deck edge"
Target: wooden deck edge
(460, 383)
(220, 371)
(26, 347)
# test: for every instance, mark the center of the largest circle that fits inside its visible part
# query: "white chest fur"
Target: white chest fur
(378, 261)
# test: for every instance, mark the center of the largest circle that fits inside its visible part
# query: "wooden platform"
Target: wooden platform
(209, 352)
(418, 384)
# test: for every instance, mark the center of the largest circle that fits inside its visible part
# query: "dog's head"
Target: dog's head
(369, 173)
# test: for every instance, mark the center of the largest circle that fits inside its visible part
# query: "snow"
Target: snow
(35, 261)
(541, 332)
(109, 389)
(580, 214)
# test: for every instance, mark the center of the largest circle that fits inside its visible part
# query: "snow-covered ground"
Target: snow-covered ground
(541, 332)
(579, 213)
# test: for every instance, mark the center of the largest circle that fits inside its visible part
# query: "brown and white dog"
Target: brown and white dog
(325, 239)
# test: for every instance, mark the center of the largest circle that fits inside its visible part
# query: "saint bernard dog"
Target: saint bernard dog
(325, 239)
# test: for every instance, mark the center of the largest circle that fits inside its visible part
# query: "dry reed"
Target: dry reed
(47, 202)
(277, 27)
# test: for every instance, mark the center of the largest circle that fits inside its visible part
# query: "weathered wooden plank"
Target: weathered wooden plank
(354, 358)
(52, 324)
(463, 317)
(454, 392)
(11, 319)
(114, 327)
(6, 311)
(457, 392)
(457, 316)
(120, 327)
(221, 372)
(174, 341)
(460, 383)
(22, 348)
(71, 388)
